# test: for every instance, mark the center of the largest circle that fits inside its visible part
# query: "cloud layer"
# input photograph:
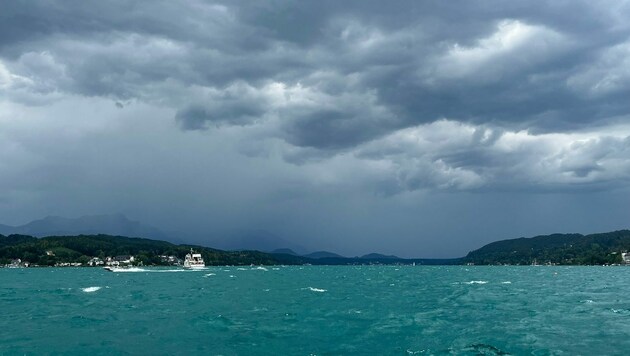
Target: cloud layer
(298, 103)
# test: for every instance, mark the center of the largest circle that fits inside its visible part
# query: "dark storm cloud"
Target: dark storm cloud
(332, 77)
(238, 104)
(515, 64)
(328, 129)
(334, 122)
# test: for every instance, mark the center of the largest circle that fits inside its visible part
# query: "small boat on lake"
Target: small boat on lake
(194, 261)
(116, 268)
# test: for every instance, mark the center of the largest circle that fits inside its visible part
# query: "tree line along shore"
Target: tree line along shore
(93, 250)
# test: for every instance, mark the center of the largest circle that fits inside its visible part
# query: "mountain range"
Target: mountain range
(120, 225)
(114, 224)
(603, 248)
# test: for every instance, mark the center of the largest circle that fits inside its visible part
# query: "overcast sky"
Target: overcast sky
(420, 128)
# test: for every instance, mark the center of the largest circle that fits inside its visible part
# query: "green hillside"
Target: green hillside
(80, 248)
(567, 249)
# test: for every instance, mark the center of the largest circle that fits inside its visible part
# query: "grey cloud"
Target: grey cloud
(196, 117)
(238, 104)
(560, 72)
(327, 129)
(453, 156)
(334, 122)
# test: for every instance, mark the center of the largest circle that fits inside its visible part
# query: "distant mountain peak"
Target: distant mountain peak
(286, 251)
(255, 239)
(373, 256)
(323, 254)
(111, 224)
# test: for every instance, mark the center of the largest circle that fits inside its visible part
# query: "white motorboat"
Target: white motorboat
(194, 261)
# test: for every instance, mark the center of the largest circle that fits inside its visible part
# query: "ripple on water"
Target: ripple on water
(300, 311)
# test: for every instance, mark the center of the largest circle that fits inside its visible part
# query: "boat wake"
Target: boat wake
(131, 269)
(149, 270)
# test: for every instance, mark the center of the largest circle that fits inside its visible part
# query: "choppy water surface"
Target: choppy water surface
(360, 310)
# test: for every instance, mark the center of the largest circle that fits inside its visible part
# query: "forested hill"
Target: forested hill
(52, 250)
(48, 251)
(569, 249)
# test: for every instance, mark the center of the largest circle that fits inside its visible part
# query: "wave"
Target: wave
(485, 349)
(90, 289)
(476, 282)
(318, 290)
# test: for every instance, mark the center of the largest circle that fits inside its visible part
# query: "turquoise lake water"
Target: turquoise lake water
(315, 310)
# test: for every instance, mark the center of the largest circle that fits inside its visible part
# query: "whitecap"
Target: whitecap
(506, 282)
(260, 268)
(90, 289)
(318, 290)
(209, 274)
(476, 282)
(241, 269)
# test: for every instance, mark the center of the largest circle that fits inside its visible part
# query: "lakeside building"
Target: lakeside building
(18, 263)
(171, 260)
(68, 264)
(95, 261)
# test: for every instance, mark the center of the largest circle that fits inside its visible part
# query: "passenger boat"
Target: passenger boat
(194, 261)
